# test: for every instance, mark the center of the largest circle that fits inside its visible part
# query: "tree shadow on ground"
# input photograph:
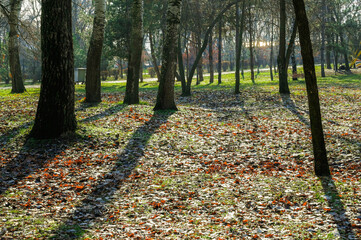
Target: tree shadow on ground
(337, 209)
(10, 134)
(108, 112)
(93, 207)
(32, 156)
(333, 197)
(289, 104)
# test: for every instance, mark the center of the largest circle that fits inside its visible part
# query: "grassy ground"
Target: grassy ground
(224, 166)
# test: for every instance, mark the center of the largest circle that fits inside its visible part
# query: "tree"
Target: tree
(283, 84)
(165, 97)
(135, 57)
(93, 83)
(319, 149)
(323, 26)
(14, 58)
(55, 113)
(239, 42)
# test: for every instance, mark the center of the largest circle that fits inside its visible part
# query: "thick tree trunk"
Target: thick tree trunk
(319, 149)
(210, 54)
(135, 58)
(220, 51)
(55, 114)
(165, 97)
(93, 83)
(152, 53)
(14, 58)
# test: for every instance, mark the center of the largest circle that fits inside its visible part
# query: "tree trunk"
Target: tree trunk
(181, 65)
(251, 61)
(220, 52)
(152, 53)
(93, 82)
(335, 54)
(294, 65)
(281, 60)
(323, 26)
(271, 55)
(191, 71)
(210, 53)
(55, 114)
(135, 57)
(165, 97)
(345, 52)
(239, 42)
(319, 149)
(14, 58)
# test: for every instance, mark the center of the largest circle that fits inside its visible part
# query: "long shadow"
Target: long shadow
(108, 112)
(291, 106)
(333, 197)
(33, 155)
(91, 208)
(7, 136)
(337, 209)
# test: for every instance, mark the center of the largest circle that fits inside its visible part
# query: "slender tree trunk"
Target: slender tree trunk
(93, 82)
(251, 44)
(281, 60)
(55, 114)
(165, 97)
(294, 65)
(191, 71)
(211, 63)
(271, 55)
(345, 52)
(181, 65)
(239, 43)
(121, 69)
(152, 53)
(136, 47)
(238, 52)
(220, 52)
(323, 26)
(328, 54)
(335, 53)
(14, 58)
(319, 149)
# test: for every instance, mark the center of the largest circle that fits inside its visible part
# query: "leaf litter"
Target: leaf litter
(223, 167)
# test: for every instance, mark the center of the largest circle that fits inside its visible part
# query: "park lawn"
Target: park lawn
(223, 166)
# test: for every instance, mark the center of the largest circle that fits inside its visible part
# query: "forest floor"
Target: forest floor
(224, 166)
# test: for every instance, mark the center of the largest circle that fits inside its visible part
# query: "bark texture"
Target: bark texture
(281, 60)
(17, 83)
(210, 58)
(239, 42)
(165, 97)
(323, 26)
(318, 142)
(220, 51)
(135, 58)
(93, 83)
(55, 114)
